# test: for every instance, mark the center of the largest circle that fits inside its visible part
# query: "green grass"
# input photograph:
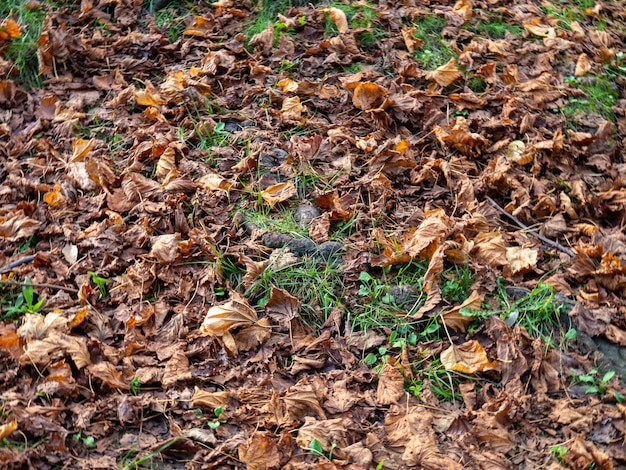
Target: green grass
(171, 18)
(601, 93)
(435, 52)
(359, 15)
(496, 28)
(281, 221)
(318, 286)
(568, 12)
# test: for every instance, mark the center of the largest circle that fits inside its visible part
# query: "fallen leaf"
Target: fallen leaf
(280, 192)
(282, 307)
(468, 358)
(232, 314)
(445, 75)
(390, 385)
(521, 260)
(368, 95)
(583, 65)
(338, 17)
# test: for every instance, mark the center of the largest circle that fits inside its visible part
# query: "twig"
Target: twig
(547, 241)
(16, 263)
(49, 286)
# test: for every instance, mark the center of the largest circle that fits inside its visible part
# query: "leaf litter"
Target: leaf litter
(140, 161)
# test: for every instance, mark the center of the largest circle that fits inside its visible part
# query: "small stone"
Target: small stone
(232, 127)
(272, 158)
(302, 246)
(329, 250)
(404, 295)
(276, 240)
(305, 214)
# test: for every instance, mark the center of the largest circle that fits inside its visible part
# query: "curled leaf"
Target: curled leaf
(222, 318)
(338, 17)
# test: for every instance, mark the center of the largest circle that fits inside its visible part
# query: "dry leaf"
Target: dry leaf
(222, 318)
(7, 429)
(521, 260)
(338, 17)
(453, 317)
(280, 192)
(445, 75)
(282, 307)
(516, 153)
(468, 358)
(368, 95)
(583, 65)
(390, 385)
(410, 41)
(292, 109)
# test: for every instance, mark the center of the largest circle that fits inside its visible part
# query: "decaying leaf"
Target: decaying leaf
(520, 259)
(368, 95)
(390, 385)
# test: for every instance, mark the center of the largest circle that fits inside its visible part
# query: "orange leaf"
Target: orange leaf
(444, 75)
(80, 149)
(54, 198)
(9, 29)
(338, 17)
(278, 193)
(368, 95)
(468, 358)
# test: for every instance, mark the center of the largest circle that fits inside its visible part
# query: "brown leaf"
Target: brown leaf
(489, 249)
(232, 314)
(292, 109)
(583, 65)
(521, 260)
(390, 385)
(16, 226)
(457, 321)
(469, 358)
(260, 452)
(210, 400)
(282, 307)
(410, 41)
(109, 374)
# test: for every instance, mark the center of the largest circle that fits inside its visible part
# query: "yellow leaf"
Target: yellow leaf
(468, 358)
(278, 193)
(444, 75)
(7, 429)
(339, 18)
